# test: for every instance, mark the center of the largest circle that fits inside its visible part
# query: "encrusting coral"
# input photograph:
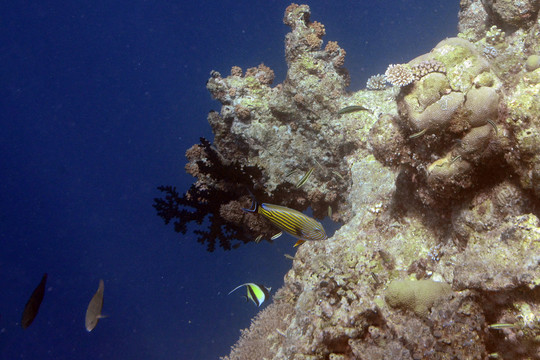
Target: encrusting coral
(418, 296)
(436, 179)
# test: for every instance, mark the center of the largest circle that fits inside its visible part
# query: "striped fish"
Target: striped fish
(291, 221)
(304, 178)
(255, 292)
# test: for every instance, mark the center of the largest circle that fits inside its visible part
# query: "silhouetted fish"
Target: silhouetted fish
(93, 313)
(32, 306)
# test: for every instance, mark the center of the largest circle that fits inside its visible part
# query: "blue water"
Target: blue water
(99, 101)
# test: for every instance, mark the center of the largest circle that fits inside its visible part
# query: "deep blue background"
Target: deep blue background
(98, 102)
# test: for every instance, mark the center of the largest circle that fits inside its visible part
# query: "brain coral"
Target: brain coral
(418, 296)
(447, 118)
(483, 105)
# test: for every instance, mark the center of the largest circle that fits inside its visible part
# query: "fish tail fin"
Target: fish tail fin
(254, 205)
(299, 242)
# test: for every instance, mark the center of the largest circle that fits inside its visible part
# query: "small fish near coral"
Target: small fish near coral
(304, 178)
(291, 221)
(352, 108)
(255, 292)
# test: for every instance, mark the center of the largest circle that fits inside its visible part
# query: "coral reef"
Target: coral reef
(299, 112)
(436, 179)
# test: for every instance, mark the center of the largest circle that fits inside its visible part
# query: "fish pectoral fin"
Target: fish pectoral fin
(299, 242)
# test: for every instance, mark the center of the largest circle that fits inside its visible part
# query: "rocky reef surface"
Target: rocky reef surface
(436, 179)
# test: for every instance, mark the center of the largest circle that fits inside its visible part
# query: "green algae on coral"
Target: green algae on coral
(532, 63)
(462, 61)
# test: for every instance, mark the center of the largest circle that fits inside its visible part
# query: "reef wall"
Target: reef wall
(436, 178)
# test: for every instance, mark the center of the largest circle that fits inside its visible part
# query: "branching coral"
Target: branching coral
(399, 75)
(215, 198)
(288, 129)
(376, 82)
(269, 326)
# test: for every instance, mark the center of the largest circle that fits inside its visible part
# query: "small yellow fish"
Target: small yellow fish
(501, 326)
(418, 134)
(338, 175)
(492, 123)
(290, 173)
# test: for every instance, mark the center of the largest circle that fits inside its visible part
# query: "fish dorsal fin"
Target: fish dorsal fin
(238, 287)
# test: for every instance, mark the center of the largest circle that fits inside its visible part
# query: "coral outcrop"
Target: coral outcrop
(299, 112)
(436, 179)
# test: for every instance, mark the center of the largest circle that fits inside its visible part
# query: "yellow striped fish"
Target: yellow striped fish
(291, 221)
(255, 292)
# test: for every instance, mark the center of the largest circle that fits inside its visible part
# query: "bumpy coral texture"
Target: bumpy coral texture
(399, 75)
(417, 296)
(297, 112)
(436, 181)
(450, 116)
(376, 82)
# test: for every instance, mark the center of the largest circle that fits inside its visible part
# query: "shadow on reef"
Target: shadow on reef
(407, 200)
(512, 325)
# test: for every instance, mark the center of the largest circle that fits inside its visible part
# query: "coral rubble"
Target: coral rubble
(436, 179)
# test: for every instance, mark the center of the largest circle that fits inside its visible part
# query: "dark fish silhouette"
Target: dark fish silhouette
(32, 306)
(93, 313)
